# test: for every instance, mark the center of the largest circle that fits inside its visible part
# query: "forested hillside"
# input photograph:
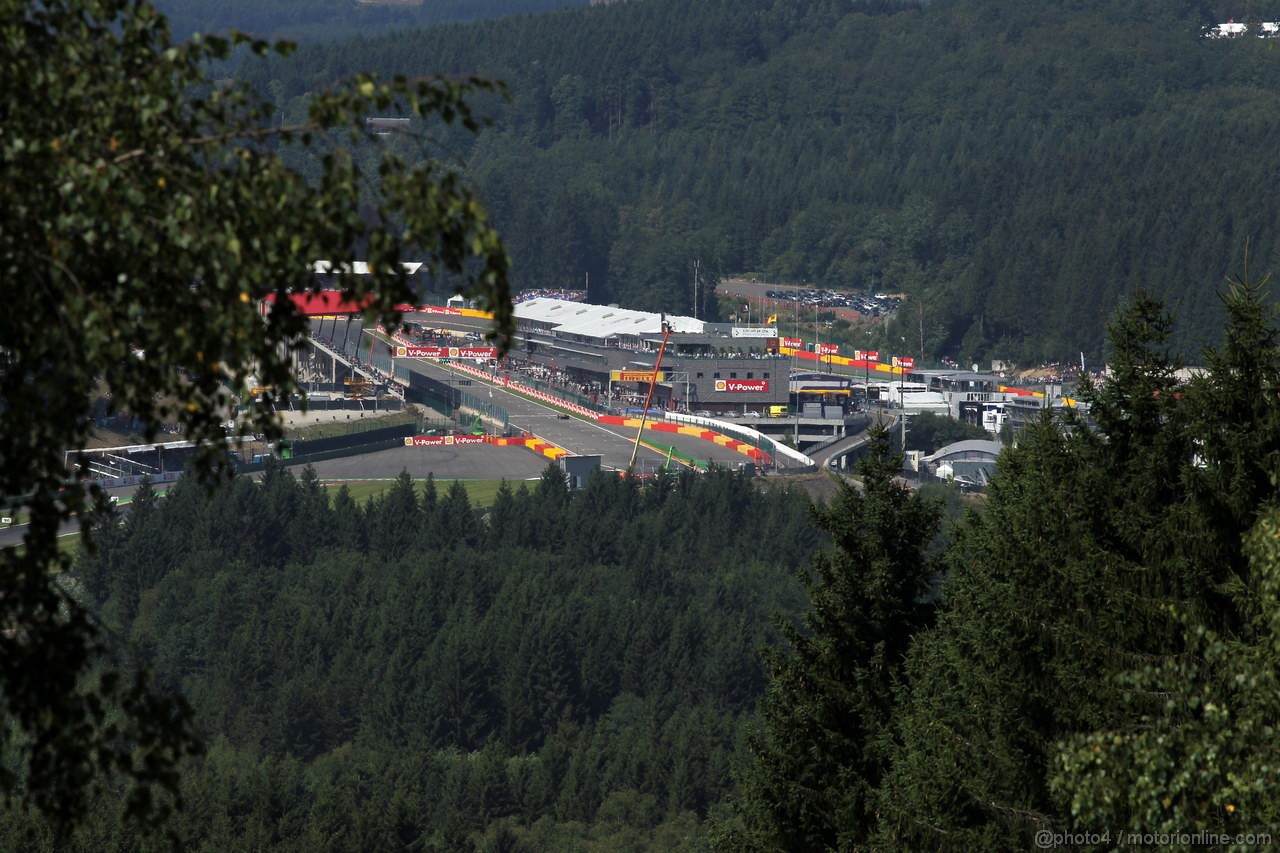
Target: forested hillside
(415, 674)
(1013, 165)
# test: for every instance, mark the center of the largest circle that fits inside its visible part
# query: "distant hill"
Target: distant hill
(1015, 166)
(334, 19)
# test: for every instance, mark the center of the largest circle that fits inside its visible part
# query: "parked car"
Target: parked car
(751, 414)
(702, 413)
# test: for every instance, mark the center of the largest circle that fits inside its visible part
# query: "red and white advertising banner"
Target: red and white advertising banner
(794, 343)
(446, 352)
(904, 362)
(422, 352)
(867, 355)
(740, 385)
(442, 440)
(828, 349)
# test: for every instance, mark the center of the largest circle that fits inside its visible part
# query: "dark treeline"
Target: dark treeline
(1016, 165)
(329, 20)
(413, 673)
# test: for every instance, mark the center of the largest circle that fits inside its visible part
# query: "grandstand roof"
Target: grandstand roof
(601, 321)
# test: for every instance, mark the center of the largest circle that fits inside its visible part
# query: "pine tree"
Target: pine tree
(459, 524)
(1203, 757)
(396, 519)
(826, 736)
(1096, 546)
(1206, 760)
(984, 697)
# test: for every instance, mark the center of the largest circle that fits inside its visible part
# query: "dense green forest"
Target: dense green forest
(329, 20)
(414, 672)
(1015, 166)
(1095, 650)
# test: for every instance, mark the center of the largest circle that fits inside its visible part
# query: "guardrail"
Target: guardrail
(750, 436)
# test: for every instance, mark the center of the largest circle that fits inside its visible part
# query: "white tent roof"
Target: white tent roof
(971, 448)
(600, 321)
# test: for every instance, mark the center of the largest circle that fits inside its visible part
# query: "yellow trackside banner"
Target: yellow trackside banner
(773, 318)
(637, 376)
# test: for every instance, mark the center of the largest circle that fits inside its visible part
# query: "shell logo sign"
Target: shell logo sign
(446, 352)
(742, 385)
(442, 440)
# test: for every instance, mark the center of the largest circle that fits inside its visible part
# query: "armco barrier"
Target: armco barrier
(755, 454)
(803, 462)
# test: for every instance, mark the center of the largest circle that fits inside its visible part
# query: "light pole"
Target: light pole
(903, 361)
(866, 377)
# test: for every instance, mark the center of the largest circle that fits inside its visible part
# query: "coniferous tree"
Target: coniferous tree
(827, 733)
(1206, 759)
(1049, 589)
(1202, 756)
(349, 529)
(1096, 549)
(310, 530)
(983, 697)
(396, 519)
(459, 525)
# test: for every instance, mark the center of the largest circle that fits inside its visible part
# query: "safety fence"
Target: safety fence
(310, 447)
(492, 416)
(327, 429)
